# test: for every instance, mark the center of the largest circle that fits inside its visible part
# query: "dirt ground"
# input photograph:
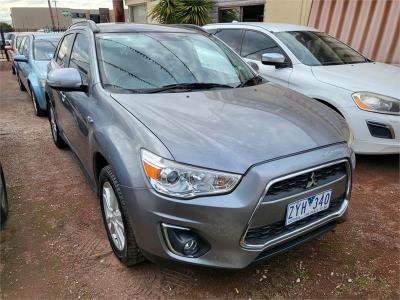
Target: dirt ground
(54, 244)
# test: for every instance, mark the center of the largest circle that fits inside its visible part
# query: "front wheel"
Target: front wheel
(36, 108)
(3, 198)
(57, 139)
(119, 230)
(20, 84)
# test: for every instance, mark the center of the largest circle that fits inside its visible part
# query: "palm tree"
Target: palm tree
(164, 12)
(182, 11)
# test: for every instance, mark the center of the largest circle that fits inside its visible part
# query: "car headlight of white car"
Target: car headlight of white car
(183, 181)
(377, 103)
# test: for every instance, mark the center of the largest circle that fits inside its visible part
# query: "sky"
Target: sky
(6, 4)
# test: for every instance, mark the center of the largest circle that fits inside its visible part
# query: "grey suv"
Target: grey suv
(195, 158)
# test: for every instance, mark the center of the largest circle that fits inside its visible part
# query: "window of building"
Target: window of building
(250, 13)
(138, 13)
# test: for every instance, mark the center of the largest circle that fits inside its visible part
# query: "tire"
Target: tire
(13, 70)
(55, 133)
(3, 198)
(36, 108)
(20, 84)
(128, 252)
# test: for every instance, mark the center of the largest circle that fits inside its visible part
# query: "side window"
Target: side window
(232, 37)
(24, 47)
(21, 45)
(256, 44)
(80, 57)
(62, 56)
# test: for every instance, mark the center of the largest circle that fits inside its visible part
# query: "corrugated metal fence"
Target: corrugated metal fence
(372, 27)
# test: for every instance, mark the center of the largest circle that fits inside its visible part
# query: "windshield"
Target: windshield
(316, 48)
(149, 61)
(44, 49)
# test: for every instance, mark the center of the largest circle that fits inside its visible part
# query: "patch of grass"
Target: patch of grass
(299, 271)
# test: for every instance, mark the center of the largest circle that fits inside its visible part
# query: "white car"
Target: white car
(365, 93)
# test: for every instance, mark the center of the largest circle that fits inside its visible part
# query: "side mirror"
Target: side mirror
(20, 58)
(66, 80)
(274, 59)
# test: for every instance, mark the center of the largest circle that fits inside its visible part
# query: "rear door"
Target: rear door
(254, 45)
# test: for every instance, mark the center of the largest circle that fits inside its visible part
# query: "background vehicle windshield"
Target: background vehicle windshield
(316, 48)
(145, 61)
(44, 49)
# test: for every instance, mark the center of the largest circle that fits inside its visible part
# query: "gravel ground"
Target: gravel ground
(54, 244)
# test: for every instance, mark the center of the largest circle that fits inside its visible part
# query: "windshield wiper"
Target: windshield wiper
(252, 81)
(188, 87)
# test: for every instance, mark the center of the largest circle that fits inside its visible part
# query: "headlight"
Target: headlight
(42, 83)
(183, 181)
(377, 103)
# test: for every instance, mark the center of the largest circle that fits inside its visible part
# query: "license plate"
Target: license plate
(306, 207)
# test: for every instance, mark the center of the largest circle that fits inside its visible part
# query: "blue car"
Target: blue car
(31, 62)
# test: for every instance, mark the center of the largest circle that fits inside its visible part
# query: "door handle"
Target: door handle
(89, 119)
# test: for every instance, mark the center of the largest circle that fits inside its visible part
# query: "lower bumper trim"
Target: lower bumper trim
(294, 243)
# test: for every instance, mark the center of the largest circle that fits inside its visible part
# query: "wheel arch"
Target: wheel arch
(330, 105)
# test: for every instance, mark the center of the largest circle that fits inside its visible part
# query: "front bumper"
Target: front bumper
(223, 220)
(364, 142)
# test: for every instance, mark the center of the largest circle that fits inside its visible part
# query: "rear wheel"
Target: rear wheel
(119, 230)
(57, 139)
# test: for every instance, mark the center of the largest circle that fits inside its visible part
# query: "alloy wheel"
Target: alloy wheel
(113, 217)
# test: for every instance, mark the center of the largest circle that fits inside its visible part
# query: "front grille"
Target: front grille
(258, 235)
(298, 184)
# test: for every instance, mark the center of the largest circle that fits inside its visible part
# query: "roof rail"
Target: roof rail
(190, 26)
(89, 23)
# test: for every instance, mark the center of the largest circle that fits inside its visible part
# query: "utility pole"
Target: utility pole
(51, 15)
(58, 21)
(119, 12)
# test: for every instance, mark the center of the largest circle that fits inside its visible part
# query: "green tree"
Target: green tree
(6, 27)
(194, 11)
(164, 12)
(183, 11)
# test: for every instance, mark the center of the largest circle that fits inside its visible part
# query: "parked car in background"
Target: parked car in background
(3, 198)
(195, 158)
(12, 49)
(34, 53)
(364, 92)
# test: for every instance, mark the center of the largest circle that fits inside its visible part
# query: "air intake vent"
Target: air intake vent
(380, 130)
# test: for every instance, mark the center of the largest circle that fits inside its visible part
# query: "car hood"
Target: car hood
(233, 129)
(371, 77)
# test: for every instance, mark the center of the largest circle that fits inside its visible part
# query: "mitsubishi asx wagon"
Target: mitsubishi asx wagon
(195, 158)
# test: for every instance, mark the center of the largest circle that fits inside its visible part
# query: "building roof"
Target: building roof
(272, 27)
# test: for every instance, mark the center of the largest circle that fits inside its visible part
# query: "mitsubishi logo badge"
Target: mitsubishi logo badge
(312, 181)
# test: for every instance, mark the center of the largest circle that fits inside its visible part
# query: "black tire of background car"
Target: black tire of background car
(3, 201)
(20, 84)
(36, 108)
(131, 254)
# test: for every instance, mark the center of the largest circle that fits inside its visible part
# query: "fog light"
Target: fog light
(184, 241)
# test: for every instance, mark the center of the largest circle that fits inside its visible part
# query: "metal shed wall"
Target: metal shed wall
(372, 27)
